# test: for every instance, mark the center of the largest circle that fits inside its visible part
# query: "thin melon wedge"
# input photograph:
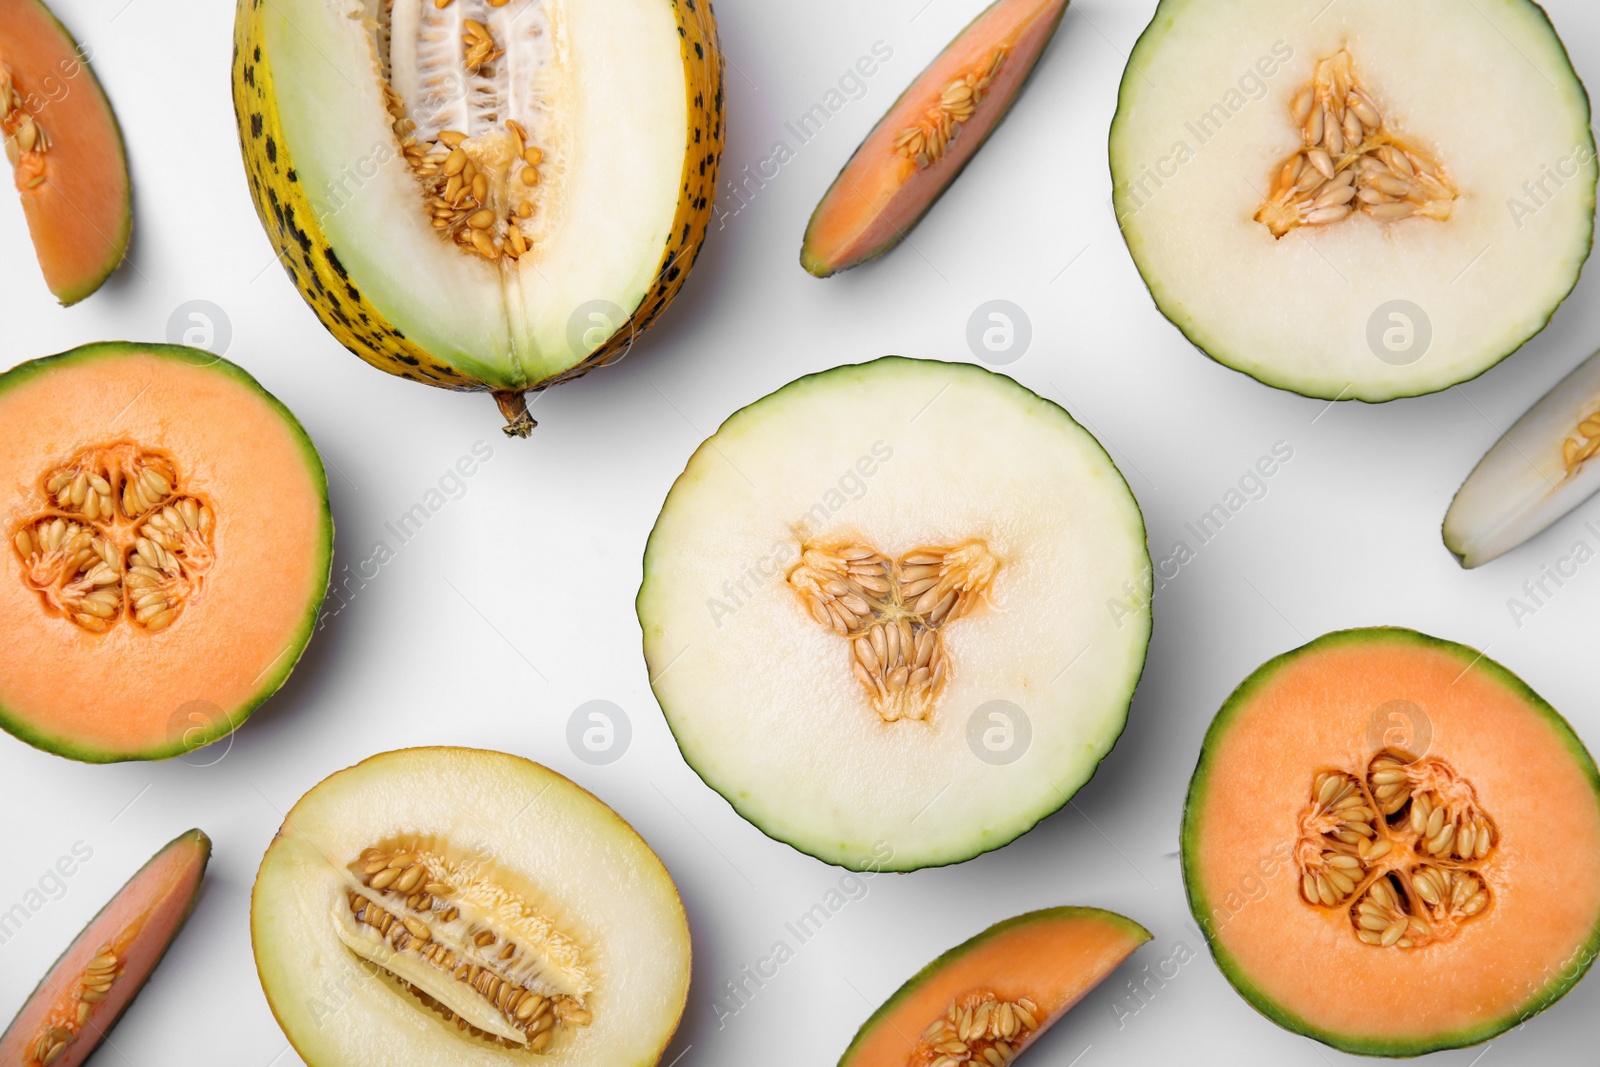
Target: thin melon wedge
(1540, 470)
(929, 136)
(997, 991)
(1393, 844)
(65, 146)
(95, 980)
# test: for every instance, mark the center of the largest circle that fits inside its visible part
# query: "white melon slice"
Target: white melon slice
(895, 612)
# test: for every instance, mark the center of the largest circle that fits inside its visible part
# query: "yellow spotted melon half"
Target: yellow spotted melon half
(482, 194)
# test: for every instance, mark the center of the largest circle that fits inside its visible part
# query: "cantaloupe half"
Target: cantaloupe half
(65, 149)
(94, 981)
(994, 994)
(1393, 844)
(929, 136)
(168, 545)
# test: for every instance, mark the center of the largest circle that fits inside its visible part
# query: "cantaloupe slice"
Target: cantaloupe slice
(168, 545)
(95, 980)
(1393, 844)
(65, 146)
(929, 136)
(995, 994)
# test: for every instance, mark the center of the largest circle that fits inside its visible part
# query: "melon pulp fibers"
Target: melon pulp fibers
(97, 977)
(998, 991)
(65, 149)
(1393, 844)
(168, 545)
(1535, 474)
(482, 194)
(892, 611)
(455, 906)
(1369, 200)
(929, 136)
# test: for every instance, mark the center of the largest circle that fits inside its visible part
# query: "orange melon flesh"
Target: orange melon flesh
(881, 193)
(122, 694)
(1312, 710)
(138, 926)
(1053, 957)
(80, 216)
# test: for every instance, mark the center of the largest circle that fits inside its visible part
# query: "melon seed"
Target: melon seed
(977, 1028)
(926, 141)
(891, 612)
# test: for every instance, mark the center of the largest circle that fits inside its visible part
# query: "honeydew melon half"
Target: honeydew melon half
(484, 194)
(895, 612)
(462, 907)
(1361, 200)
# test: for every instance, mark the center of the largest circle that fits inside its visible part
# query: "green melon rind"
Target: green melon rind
(272, 681)
(91, 284)
(1262, 677)
(199, 840)
(954, 956)
(816, 267)
(1025, 821)
(1216, 352)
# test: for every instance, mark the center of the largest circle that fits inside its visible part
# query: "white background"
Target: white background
(515, 603)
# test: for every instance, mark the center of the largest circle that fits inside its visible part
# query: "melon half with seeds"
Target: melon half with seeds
(895, 612)
(1362, 200)
(168, 546)
(454, 906)
(1393, 844)
(482, 194)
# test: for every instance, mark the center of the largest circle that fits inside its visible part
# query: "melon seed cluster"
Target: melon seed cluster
(891, 612)
(117, 538)
(1401, 851)
(1583, 445)
(925, 141)
(978, 1029)
(496, 984)
(1349, 161)
(26, 142)
(477, 193)
(95, 985)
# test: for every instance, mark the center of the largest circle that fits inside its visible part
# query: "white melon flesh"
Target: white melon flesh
(598, 85)
(1541, 469)
(1360, 307)
(590, 908)
(900, 456)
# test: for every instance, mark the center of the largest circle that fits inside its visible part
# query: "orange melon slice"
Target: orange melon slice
(929, 136)
(1393, 844)
(167, 547)
(995, 994)
(65, 148)
(94, 981)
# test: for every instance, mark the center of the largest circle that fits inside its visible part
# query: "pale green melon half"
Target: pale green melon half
(1203, 120)
(901, 453)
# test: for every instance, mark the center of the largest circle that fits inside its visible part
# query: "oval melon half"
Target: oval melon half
(1393, 844)
(1362, 200)
(460, 907)
(168, 546)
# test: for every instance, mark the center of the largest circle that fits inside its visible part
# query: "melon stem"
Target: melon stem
(514, 406)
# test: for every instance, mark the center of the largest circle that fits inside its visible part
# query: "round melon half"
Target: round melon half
(1362, 200)
(895, 612)
(1393, 844)
(168, 548)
